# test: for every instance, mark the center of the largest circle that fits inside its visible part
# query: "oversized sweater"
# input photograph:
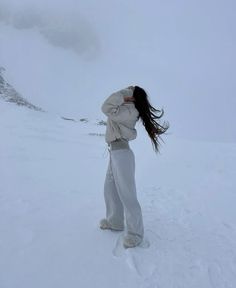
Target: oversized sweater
(122, 116)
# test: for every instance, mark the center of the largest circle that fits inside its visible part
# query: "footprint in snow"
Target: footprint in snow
(141, 259)
(119, 249)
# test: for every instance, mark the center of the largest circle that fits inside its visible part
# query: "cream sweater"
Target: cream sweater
(122, 116)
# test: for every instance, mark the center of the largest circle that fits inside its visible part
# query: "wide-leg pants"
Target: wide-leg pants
(120, 192)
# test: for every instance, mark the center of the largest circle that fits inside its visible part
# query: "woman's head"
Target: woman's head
(149, 116)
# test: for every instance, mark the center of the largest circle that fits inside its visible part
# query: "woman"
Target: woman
(123, 109)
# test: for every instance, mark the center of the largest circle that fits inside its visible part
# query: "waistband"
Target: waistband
(119, 144)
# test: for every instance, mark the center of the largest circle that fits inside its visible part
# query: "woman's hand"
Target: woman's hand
(131, 87)
(129, 99)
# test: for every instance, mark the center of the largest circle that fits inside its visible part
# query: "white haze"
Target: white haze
(64, 29)
(68, 56)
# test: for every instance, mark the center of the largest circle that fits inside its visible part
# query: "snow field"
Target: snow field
(51, 195)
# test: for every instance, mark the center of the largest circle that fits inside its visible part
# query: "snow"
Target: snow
(51, 195)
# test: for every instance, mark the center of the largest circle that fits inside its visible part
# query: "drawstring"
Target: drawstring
(106, 152)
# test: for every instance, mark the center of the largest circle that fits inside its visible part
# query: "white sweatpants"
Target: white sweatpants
(120, 192)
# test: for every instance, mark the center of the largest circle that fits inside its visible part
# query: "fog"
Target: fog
(66, 29)
(181, 52)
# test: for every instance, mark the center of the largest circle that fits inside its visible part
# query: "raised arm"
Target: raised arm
(111, 106)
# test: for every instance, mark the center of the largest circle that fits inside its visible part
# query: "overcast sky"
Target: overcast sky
(181, 52)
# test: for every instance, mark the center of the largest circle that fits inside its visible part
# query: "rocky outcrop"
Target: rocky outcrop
(9, 94)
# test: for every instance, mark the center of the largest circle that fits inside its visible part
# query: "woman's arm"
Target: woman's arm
(112, 104)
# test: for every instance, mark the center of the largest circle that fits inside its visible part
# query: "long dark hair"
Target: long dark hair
(148, 115)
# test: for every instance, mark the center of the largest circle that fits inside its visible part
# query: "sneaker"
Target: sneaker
(104, 224)
(131, 241)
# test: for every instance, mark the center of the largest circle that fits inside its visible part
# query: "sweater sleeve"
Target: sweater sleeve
(112, 104)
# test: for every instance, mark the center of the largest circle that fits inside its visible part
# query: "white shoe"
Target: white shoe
(131, 241)
(104, 224)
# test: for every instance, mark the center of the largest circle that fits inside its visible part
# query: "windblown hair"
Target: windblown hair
(149, 116)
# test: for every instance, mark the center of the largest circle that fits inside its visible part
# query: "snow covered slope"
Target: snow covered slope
(51, 200)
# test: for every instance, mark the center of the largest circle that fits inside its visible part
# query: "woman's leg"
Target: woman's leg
(123, 167)
(114, 207)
